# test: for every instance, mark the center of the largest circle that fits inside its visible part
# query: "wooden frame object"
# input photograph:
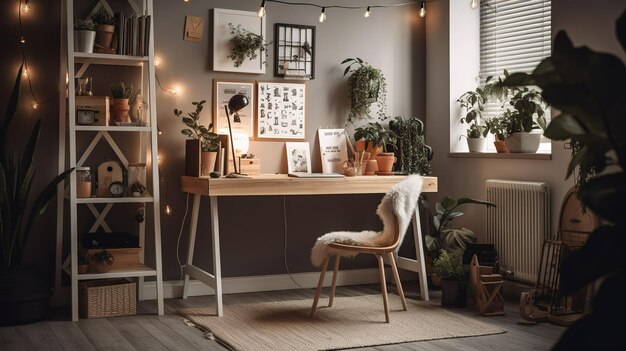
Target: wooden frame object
(250, 21)
(298, 157)
(291, 43)
(281, 110)
(194, 27)
(223, 90)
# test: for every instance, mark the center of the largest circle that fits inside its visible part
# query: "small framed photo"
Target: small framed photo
(298, 157)
(281, 110)
(223, 90)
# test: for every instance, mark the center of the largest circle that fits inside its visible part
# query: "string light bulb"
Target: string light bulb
(367, 12)
(34, 105)
(168, 208)
(22, 40)
(25, 8)
(261, 12)
(159, 132)
(157, 61)
(474, 4)
(173, 90)
(25, 72)
(423, 9)
(323, 15)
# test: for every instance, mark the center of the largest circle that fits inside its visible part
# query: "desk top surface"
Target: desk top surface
(281, 184)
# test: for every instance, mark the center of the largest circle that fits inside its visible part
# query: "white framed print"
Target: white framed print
(249, 21)
(298, 157)
(223, 90)
(281, 108)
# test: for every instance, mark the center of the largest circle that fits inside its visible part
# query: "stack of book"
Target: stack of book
(132, 34)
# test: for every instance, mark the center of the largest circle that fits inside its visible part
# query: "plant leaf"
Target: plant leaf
(604, 195)
(467, 200)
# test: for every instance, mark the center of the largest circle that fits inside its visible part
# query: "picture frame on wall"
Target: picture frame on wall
(249, 21)
(294, 51)
(223, 90)
(298, 157)
(281, 110)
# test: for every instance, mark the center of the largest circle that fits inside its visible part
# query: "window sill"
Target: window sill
(514, 156)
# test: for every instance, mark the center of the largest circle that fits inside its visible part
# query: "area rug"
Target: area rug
(351, 322)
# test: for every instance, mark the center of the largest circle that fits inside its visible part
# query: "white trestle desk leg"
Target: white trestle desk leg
(217, 265)
(419, 254)
(195, 210)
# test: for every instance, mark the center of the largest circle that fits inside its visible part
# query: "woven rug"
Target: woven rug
(351, 322)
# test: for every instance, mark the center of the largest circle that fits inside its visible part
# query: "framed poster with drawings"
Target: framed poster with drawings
(223, 90)
(281, 110)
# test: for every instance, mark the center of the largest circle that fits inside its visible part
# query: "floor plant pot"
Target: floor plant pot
(104, 37)
(453, 293)
(119, 110)
(24, 296)
(207, 162)
(385, 162)
(84, 40)
(476, 144)
(523, 142)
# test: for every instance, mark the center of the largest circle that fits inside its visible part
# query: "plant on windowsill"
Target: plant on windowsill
(367, 86)
(208, 140)
(528, 114)
(120, 93)
(245, 44)
(454, 277)
(472, 103)
(413, 154)
(498, 127)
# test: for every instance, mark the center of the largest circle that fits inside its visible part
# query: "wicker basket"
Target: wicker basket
(107, 298)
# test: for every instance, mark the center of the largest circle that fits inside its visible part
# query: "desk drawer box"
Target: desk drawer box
(97, 103)
(122, 258)
(250, 166)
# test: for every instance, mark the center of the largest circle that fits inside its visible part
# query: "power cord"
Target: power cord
(285, 247)
(180, 233)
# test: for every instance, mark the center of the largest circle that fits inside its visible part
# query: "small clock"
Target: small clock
(117, 188)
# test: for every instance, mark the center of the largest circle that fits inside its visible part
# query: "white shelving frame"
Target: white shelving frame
(148, 153)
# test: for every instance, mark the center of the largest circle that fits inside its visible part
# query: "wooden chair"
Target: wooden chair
(396, 210)
(488, 289)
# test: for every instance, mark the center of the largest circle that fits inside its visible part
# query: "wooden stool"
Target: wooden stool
(488, 289)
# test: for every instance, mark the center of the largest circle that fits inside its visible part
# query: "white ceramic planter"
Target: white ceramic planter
(476, 144)
(84, 40)
(523, 142)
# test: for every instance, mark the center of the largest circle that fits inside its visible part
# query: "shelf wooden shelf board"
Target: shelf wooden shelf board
(112, 129)
(109, 59)
(142, 271)
(113, 200)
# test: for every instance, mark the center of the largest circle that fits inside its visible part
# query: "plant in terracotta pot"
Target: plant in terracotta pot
(245, 44)
(367, 86)
(208, 139)
(413, 154)
(105, 27)
(378, 138)
(120, 93)
(454, 278)
(100, 262)
(84, 35)
(498, 127)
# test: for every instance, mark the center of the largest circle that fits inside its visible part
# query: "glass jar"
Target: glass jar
(136, 179)
(83, 182)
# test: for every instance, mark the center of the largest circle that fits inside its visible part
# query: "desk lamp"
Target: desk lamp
(236, 103)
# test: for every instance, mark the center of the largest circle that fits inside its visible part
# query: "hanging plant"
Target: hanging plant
(367, 86)
(245, 44)
(413, 154)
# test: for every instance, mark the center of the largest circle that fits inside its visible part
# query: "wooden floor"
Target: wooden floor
(168, 332)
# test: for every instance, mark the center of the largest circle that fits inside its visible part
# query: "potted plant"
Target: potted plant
(472, 103)
(100, 262)
(245, 44)
(454, 276)
(413, 153)
(24, 295)
(527, 104)
(84, 35)
(208, 139)
(367, 85)
(498, 127)
(476, 141)
(120, 93)
(105, 27)
(377, 138)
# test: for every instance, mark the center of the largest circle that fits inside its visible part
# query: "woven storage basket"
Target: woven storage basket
(107, 298)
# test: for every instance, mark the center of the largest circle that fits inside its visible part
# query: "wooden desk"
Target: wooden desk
(281, 184)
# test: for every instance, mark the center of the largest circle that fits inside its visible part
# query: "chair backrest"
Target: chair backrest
(397, 208)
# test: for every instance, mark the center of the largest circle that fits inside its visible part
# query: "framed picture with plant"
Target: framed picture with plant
(239, 43)
(294, 51)
(223, 90)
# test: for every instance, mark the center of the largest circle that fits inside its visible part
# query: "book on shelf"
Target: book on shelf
(132, 34)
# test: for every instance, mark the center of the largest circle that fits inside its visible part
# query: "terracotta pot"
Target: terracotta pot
(476, 144)
(385, 162)
(523, 142)
(99, 267)
(104, 36)
(368, 146)
(119, 110)
(207, 162)
(501, 146)
(372, 167)
(436, 279)
(360, 146)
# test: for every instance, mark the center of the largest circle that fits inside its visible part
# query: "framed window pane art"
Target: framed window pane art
(223, 90)
(281, 110)
(294, 51)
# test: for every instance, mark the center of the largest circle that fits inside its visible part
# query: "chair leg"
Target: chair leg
(383, 285)
(396, 277)
(319, 286)
(334, 283)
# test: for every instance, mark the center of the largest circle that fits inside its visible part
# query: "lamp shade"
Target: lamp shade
(237, 102)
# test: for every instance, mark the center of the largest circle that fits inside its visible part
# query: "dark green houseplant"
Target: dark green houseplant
(23, 294)
(412, 152)
(589, 90)
(454, 277)
(376, 135)
(195, 130)
(367, 86)
(245, 45)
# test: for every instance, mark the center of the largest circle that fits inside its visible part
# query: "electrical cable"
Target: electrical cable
(180, 233)
(285, 246)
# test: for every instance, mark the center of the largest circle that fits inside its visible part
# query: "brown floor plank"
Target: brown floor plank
(70, 336)
(135, 334)
(41, 336)
(164, 334)
(11, 340)
(103, 336)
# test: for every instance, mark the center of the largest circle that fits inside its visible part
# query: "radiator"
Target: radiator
(518, 225)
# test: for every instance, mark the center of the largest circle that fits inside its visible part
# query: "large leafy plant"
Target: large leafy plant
(413, 153)
(17, 173)
(367, 86)
(208, 139)
(589, 90)
(377, 134)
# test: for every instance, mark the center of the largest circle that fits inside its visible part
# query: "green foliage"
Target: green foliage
(208, 139)
(496, 126)
(367, 86)
(102, 17)
(377, 134)
(526, 103)
(450, 267)
(588, 89)
(121, 90)
(245, 44)
(16, 178)
(81, 24)
(443, 237)
(413, 153)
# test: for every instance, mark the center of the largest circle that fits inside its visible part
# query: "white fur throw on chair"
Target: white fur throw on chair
(398, 204)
